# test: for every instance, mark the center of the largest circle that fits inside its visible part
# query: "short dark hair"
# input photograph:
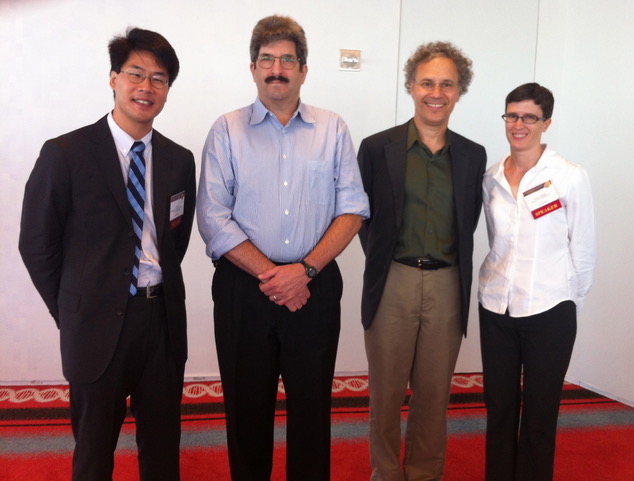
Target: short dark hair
(535, 92)
(139, 40)
(274, 28)
(430, 51)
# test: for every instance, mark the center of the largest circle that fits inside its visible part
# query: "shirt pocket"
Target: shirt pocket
(321, 182)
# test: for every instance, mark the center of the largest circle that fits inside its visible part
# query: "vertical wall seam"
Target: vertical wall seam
(536, 41)
(398, 59)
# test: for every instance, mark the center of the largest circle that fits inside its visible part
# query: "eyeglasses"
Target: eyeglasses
(157, 81)
(526, 118)
(288, 62)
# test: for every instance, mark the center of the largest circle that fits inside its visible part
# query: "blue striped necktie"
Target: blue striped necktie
(136, 196)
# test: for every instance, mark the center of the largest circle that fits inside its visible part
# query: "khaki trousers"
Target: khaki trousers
(414, 338)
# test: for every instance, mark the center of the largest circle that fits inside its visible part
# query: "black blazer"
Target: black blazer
(382, 160)
(77, 242)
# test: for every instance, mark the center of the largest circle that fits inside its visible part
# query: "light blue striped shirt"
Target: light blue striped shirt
(278, 186)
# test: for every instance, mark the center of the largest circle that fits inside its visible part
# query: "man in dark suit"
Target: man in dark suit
(106, 221)
(424, 185)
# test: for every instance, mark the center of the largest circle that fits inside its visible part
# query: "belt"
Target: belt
(149, 292)
(426, 263)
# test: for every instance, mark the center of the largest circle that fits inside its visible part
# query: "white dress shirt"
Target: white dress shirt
(535, 264)
(150, 273)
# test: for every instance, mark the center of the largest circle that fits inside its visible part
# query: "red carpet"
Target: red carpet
(595, 442)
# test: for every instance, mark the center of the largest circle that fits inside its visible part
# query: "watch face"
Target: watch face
(310, 270)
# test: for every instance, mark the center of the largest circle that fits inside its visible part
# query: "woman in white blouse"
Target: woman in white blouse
(540, 224)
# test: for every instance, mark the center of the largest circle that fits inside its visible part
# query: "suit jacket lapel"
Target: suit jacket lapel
(396, 158)
(108, 160)
(160, 183)
(460, 168)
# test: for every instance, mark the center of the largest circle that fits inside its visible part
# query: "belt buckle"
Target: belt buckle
(428, 263)
(148, 292)
(425, 262)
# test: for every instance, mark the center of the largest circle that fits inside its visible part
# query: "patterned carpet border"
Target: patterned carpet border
(203, 399)
(196, 390)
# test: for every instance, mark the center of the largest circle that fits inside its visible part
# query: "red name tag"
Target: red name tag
(547, 209)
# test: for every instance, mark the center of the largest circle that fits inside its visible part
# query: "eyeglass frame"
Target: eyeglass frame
(157, 81)
(522, 117)
(283, 59)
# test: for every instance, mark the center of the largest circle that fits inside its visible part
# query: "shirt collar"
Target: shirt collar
(413, 137)
(548, 159)
(260, 111)
(122, 140)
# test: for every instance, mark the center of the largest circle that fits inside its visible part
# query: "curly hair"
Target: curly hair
(533, 91)
(274, 28)
(430, 51)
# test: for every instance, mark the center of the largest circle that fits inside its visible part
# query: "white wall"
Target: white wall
(585, 50)
(55, 75)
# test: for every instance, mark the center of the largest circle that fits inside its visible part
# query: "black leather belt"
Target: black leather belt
(149, 292)
(426, 263)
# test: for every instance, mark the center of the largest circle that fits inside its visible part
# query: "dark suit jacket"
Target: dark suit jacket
(382, 160)
(77, 242)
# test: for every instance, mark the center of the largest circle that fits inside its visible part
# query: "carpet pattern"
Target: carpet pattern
(595, 441)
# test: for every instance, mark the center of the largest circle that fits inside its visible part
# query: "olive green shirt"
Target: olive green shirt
(428, 215)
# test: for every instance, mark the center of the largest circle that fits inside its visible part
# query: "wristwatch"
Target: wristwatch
(311, 271)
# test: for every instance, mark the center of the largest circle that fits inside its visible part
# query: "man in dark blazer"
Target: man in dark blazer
(424, 185)
(116, 294)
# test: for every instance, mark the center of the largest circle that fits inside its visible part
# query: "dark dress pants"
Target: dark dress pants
(143, 369)
(524, 363)
(257, 342)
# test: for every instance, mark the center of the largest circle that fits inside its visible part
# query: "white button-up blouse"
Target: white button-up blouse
(536, 263)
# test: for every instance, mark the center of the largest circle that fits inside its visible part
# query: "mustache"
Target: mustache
(275, 78)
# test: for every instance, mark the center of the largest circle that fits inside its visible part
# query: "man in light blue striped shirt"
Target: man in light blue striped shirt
(280, 197)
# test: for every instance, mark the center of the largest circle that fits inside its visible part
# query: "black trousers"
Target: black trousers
(257, 342)
(524, 363)
(143, 369)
